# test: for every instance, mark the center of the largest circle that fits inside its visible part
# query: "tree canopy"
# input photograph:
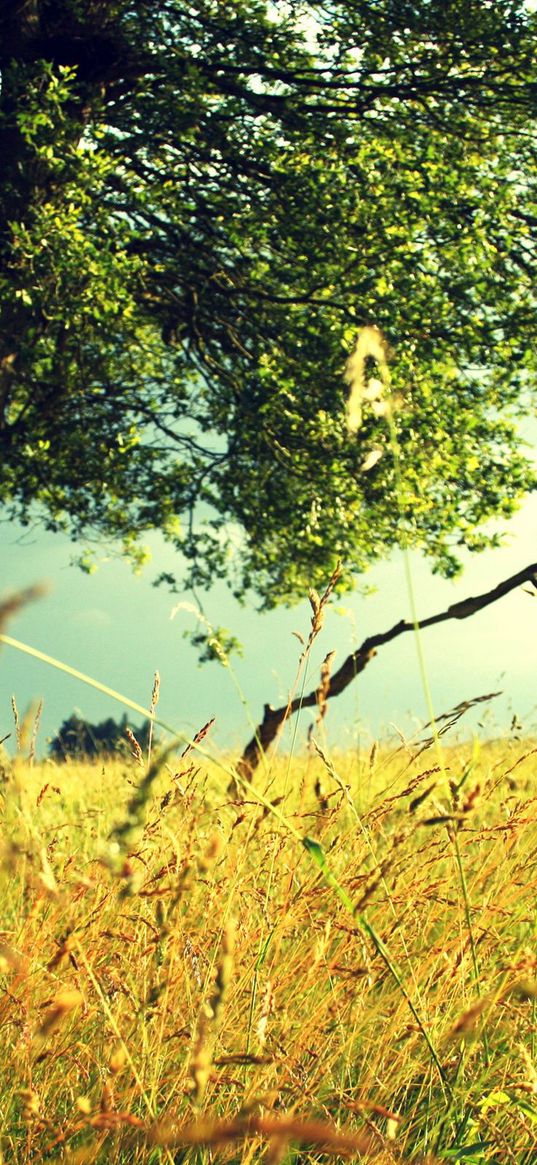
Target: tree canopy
(201, 206)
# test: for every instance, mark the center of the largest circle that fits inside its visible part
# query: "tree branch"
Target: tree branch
(275, 718)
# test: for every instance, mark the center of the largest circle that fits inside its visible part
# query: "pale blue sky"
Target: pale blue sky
(117, 627)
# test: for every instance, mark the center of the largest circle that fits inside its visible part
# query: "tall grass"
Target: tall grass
(197, 985)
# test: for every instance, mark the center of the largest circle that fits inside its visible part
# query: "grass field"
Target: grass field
(184, 979)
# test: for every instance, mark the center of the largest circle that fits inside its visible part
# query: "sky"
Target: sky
(116, 627)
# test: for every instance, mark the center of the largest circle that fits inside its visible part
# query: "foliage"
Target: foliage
(200, 208)
(78, 739)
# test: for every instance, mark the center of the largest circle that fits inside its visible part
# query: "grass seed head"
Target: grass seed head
(155, 694)
(135, 746)
(11, 605)
(16, 718)
(61, 1007)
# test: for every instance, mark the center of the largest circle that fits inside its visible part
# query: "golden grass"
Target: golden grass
(182, 979)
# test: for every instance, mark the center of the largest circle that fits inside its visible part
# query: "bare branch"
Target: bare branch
(355, 663)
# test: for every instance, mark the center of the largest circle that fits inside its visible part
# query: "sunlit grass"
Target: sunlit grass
(206, 972)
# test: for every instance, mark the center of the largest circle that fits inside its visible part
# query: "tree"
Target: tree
(200, 208)
(79, 740)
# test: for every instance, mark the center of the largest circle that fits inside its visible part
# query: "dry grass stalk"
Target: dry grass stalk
(318, 1134)
(387, 804)
(211, 1017)
(266, 1010)
(35, 731)
(318, 604)
(223, 973)
(11, 605)
(344, 789)
(323, 689)
(59, 1009)
(27, 727)
(16, 718)
(155, 694)
(197, 739)
(136, 747)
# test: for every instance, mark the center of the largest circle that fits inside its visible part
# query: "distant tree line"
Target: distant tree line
(78, 739)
